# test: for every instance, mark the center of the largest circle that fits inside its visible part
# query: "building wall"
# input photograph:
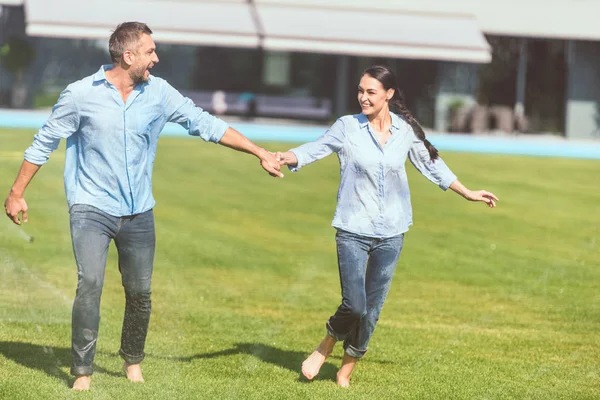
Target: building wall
(61, 61)
(583, 90)
(457, 82)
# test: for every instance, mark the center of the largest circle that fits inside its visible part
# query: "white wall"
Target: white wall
(583, 90)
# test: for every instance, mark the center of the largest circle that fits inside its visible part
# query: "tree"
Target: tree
(16, 55)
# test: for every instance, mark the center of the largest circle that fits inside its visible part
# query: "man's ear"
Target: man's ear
(128, 57)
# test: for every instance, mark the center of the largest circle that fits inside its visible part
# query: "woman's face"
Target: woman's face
(372, 96)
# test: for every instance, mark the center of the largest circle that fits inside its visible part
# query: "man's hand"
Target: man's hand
(235, 140)
(270, 164)
(15, 205)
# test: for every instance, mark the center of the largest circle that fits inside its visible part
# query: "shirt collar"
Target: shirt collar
(100, 75)
(363, 121)
(395, 121)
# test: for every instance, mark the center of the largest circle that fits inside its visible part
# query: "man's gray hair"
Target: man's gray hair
(125, 37)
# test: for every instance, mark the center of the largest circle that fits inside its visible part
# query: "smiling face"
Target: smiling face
(372, 96)
(141, 59)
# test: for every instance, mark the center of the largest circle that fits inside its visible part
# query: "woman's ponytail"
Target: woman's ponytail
(397, 102)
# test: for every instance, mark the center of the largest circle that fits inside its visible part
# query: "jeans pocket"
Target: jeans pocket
(342, 234)
(81, 208)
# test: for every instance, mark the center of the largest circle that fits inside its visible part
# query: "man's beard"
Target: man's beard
(139, 76)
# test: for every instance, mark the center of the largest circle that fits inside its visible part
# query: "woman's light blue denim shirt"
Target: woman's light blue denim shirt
(373, 198)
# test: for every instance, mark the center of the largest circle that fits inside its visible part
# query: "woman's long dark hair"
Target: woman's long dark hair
(388, 80)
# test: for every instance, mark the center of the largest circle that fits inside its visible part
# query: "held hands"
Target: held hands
(15, 205)
(271, 164)
(482, 195)
(286, 158)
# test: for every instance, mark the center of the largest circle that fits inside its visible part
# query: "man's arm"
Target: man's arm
(63, 122)
(197, 122)
(235, 140)
(15, 203)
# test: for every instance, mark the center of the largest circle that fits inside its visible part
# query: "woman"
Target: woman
(373, 210)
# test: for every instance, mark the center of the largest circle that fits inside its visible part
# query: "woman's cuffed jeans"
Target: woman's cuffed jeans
(366, 267)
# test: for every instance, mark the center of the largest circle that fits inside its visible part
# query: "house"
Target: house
(534, 58)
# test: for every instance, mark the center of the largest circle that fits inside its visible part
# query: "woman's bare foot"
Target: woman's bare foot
(312, 365)
(133, 372)
(82, 382)
(343, 375)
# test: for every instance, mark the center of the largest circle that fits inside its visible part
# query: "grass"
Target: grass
(486, 304)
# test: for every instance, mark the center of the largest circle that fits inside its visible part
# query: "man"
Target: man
(112, 121)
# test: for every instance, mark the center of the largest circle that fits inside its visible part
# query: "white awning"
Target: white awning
(318, 27)
(556, 19)
(215, 23)
(11, 2)
(561, 19)
(372, 32)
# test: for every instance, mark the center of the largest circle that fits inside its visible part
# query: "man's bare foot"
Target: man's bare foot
(343, 375)
(82, 382)
(133, 372)
(312, 365)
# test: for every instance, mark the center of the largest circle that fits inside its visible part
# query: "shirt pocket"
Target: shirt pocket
(364, 162)
(147, 117)
(149, 122)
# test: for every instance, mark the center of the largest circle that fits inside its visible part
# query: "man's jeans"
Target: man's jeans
(91, 232)
(366, 268)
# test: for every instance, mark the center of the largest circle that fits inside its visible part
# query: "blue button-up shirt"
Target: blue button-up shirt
(111, 145)
(373, 197)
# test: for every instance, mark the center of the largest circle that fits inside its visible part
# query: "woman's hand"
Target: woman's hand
(474, 195)
(286, 158)
(482, 195)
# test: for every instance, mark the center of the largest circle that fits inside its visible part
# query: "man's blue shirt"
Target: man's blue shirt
(111, 145)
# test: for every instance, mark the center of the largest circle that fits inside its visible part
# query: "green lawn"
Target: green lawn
(486, 304)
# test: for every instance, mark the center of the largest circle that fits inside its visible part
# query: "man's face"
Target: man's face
(142, 59)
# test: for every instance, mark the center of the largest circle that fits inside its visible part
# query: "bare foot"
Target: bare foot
(82, 382)
(312, 365)
(133, 372)
(343, 375)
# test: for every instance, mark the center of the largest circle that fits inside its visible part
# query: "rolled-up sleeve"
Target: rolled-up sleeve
(62, 123)
(435, 170)
(331, 141)
(195, 120)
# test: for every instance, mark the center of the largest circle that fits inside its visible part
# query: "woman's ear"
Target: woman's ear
(390, 94)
